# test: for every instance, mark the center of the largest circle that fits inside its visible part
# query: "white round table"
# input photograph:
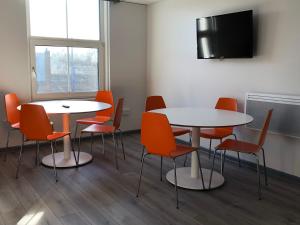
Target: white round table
(66, 107)
(196, 118)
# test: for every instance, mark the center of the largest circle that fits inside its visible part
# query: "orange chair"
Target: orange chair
(157, 102)
(249, 148)
(101, 116)
(220, 133)
(158, 139)
(108, 129)
(12, 115)
(35, 126)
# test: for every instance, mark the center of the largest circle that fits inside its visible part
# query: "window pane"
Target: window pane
(83, 64)
(83, 19)
(51, 69)
(65, 70)
(48, 18)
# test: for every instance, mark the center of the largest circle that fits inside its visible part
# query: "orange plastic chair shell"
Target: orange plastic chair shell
(157, 102)
(219, 133)
(12, 113)
(246, 147)
(102, 116)
(106, 97)
(35, 124)
(101, 128)
(158, 138)
(227, 104)
(118, 114)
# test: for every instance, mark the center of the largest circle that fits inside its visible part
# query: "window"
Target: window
(66, 49)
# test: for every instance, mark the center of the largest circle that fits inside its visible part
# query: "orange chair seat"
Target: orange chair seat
(215, 133)
(94, 120)
(181, 150)
(180, 131)
(15, 126)
(57, 135)
(238, 146)
(95, 128)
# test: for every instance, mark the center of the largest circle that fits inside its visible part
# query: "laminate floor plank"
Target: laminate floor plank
(97, 193)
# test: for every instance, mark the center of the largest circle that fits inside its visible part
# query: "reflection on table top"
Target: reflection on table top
(72, 106)
(204, 117)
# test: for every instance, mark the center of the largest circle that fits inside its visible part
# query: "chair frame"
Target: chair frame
(175, 172)
(115, 142)
(37, 160)
(158, 138)
(257, 168)
(255, 154)
(114, 135)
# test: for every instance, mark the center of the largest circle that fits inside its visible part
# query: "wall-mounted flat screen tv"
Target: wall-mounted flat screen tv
(225, 36)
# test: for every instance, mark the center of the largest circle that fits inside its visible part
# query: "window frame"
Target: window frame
(66, 42)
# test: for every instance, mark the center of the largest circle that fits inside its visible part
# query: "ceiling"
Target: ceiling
(142, 1)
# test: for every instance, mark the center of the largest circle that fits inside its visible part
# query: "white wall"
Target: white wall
(128, 62)
(174, 72)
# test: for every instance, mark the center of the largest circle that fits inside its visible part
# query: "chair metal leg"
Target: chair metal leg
(161, 167)
(7, 142)
(223, 163)
(141, 173)
(258, 176)
(212, 169)
(37, 158)
(209, 148)
(265, 168)
(115, 151)
(20, 158)
(73, 150)
(200, 167)
(185, 160)
(175, 180)
(92, 142)
(238, 154)
(54, 164)
(143, 151)
(103, 149)
(122, 143)
(79, 144)
(75, 133)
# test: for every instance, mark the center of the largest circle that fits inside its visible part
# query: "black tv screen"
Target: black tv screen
(225, 36)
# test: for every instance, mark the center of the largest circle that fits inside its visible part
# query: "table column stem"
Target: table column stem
(66, 128)
(194, 160)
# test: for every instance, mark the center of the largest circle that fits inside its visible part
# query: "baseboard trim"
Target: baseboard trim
(270, 171)
(16, 148)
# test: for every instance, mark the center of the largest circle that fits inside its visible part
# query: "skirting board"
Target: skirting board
(273, 172)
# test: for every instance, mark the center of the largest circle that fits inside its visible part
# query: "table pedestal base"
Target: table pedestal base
(184, 179)
(84, 158)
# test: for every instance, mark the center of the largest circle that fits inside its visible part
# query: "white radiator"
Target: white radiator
(286, 115)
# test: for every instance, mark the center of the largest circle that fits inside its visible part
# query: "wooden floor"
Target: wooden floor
(99, 194)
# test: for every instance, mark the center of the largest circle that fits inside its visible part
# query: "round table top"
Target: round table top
(72, 106)
(204, 117)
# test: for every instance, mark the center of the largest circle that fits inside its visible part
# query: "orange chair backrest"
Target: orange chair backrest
(11, 103)
(154, 102)
(34, 122)
(227, 104)
(264, 131)
(118, 114)
(106, 97)
(156, 134)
